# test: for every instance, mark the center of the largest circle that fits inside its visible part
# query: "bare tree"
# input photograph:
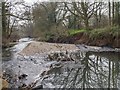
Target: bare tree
(11, 16)
(48, 16)
(83, 10)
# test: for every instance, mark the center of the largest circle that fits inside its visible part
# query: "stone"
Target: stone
(3, 84)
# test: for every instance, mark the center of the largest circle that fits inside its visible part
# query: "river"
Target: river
(89, 69)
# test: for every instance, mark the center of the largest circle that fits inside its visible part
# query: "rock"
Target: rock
(5, 84)
(61, 56)
(57, 64)
(53, 56)
(53, 69)
(23, 76)
(38, 87)
(43, 73)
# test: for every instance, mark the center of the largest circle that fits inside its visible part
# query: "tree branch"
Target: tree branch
(70, 10)
(18, 17)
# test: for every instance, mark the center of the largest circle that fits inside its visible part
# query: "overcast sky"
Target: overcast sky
(32, 1)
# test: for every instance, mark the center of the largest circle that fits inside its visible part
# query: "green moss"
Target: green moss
(73, 31)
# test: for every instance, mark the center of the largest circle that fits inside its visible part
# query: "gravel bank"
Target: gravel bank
(44, 47)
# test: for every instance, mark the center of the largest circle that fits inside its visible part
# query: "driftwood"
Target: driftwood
(61, 56)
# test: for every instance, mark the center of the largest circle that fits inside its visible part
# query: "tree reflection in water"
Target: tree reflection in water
(90, 70)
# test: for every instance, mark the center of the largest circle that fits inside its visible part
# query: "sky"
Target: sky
(32, 1)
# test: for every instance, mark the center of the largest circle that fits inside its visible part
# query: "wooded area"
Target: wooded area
(52, 20)
(60, 45)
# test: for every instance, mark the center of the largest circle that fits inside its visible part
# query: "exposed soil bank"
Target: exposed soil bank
(107, 40)
(82, 38)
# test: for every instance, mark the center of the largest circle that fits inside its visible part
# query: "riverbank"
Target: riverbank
(108, 37)
(35, 47)
(47, 68)
(105, 41)
(49, 63)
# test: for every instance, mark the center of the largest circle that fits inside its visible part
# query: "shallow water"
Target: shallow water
(89, 70)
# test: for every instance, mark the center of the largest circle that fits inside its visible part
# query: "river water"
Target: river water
(89, 69)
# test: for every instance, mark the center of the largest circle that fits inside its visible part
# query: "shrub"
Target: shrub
(104, 32)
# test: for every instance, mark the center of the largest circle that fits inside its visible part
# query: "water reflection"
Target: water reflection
(90, 70)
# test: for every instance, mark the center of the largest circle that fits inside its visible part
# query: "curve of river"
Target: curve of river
(88, 70)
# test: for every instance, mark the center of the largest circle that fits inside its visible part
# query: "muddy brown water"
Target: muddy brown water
(89, 70)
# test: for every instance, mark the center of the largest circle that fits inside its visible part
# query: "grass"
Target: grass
(104, 32)
(115, 31)
(73, 31)
(98, 33)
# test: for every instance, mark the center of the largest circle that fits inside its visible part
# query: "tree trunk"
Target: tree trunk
(113, 12)
(116, 13)
(109, 4)
(96, 25)
(3, 20)
(4, 25)
(86, 24)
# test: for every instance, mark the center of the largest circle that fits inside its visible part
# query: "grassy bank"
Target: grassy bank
(104, 32)
(96, 33)
(98, 37)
